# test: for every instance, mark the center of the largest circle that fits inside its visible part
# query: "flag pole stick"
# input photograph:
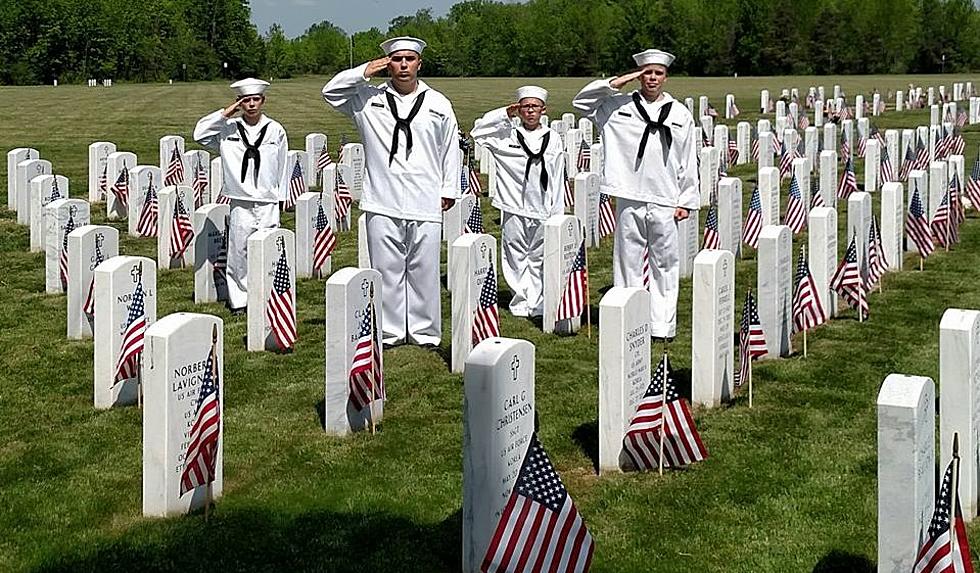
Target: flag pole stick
(921, 261)
(750, 381)
(663, 418)
(954, 493)
(588, 295)
(804, 342)
(214, 368)
(374, 335)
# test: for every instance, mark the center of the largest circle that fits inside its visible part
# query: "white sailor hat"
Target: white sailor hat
(532, 91)
(651, 56)
(402, 43)
(249, 86)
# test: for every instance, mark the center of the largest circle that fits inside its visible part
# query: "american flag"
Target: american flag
(712, 238)
(146, 226)
(175, 169)
(89, 306)
(104, 181)
(751, 339)
(127, 365)
(569, 195)
(324, 239)
(804, 122)
(201, 457)
(973, 185)
(279, 310)
(959, 144)
(753, 221)
(918, 225)
(956, 213)
(121, 187)
(200, 185)
(181, 229)
(63, 258)
(921, 154)
(540, 529)
(808, 311)
(297, 184)
(573, 297)
(584, 161)
(946, 548)
(663, 410)
(942, 227)
(908, 163)
(755, 145)
(732, 109)
(877, 264)
(816, 200)
(366, 375)
(862, 145)
(323, 158)
(474, 186)
(848, 282)
(607, 216)
(711, 111)
(486, 323)
(944, 145)
(848, 181)
(342, 202)
(786, 160)
(645, 271)
(795, 217)
(777, 144)
(887, 173)
(845, 147)
(55, 190)
(732, 151)
(961, 118)
(474, 222)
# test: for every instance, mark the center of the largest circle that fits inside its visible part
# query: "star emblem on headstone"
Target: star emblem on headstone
(515, 363)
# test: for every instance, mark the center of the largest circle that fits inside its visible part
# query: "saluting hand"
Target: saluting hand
(375, 66)
(512, 109)
(232, 109)
(625, 78)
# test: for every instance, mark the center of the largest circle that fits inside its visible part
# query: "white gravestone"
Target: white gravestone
(707, 173)
(265, 247)
(492, 176)
(88, 247)
(828, 177)
(688, 243)
(954, 168)
(892, 223)
(730, 213)
(780, 109)
(363, 251)
(353, 157)
(822, 237)
(906, 468)
(27, 171)
(859, 107)
(62, 217)
(891, 145)
(729, 105)
(830, 137)
(859, 221)
(712, 329)
(116, 283)
(211, 253)
(959, 401)
(197, 171)
(44, 189)
(794, 113)
(498, 423)
(810, 145)
(624, 369)
(454, 226)
(98, 162)
(702, 106)
(14, 157)
(899, 100)
(167, 145)
(182, 351)
(331, 177)
(315, 144)
(872, 165)
(352, 296)
(474, 257)
(217, 179)
(689, 104)
(573, 142)
(119, 162)
(863, 128)
(769, 194)
(818, 113)
(308, 209)
(142, 179)
(933, 113)
(847, 128)
(766, 146)
(562, 240)
(598, 159)
(175, 202)
(586, 187)
(560, 128)
(938, 185)
(569, 119)
(720, 138)
(801, 168)
(775, 288)
(764, 101)
(743, 142)
(587, 128)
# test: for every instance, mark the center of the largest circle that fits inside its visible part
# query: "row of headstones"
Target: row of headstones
(903, 99)
(92, 82)
(907, 409)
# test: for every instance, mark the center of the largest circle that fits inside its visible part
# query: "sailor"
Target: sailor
(651, 167)
(530, 167)
(253, 156)
(412, 173)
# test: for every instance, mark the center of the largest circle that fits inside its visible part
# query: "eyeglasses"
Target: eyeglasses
(532, 107)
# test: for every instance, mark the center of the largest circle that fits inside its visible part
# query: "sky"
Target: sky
(296, 16)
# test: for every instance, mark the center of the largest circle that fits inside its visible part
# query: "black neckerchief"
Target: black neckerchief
(666, 138)
(251, 151)
(402, 124)
(533, 158)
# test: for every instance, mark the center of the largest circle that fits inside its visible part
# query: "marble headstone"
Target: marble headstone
(308, 208)
(712, 329)
(14, 157)
(265, 247)
(44, 190)
(173, 201)
(98, 162)
(730, 213)
(474, 258)
(211, 253)
(586, 187)
(62, 216)
(822, 254)
(769, 194)
(88, 247)
(893, 223)
(775, 288)
(562, 239)
(959, 378)
(27, 171)
(141, 179)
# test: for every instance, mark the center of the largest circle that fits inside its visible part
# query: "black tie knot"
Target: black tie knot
(402, 124)
(251, 151)
(666, 138)
(533, 158)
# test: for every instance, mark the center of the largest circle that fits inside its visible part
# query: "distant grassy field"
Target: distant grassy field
(790, 484)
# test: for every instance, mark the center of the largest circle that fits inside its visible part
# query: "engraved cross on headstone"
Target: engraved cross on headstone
(365, 286)
(515, 363)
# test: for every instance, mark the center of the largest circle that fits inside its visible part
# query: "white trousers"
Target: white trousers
(245, 217)
(522, 254)
(406, 253)
(647, 233)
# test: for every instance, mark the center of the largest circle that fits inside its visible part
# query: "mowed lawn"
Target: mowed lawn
(790, 484)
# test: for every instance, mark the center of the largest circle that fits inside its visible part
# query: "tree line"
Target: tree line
(73, 40)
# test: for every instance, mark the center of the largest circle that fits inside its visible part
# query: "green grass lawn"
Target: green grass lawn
(790, 484)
